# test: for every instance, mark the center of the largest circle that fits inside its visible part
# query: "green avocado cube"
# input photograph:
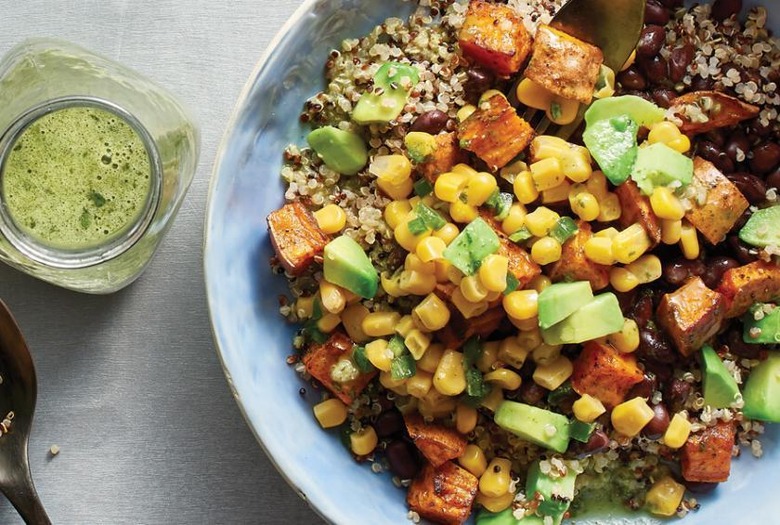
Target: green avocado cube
(659, 165)
(392, 84)
(537, 425)
(641, 111)
(765, 330)
(612, 143)
(720, 388)
(471, 246)
(599, 317)
(762, 391)
(558, 301)
(762, 228)
(342, 151)
(346, 264)
(557, 493)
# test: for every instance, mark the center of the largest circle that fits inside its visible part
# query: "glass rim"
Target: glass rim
(92, 255)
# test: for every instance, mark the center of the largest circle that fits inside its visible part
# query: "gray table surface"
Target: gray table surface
(130, 386)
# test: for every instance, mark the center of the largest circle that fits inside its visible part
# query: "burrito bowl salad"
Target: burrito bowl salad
(518, 326)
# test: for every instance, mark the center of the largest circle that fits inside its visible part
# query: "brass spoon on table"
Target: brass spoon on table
(18, 391)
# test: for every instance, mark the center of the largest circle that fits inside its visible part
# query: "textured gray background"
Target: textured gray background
(130, 386)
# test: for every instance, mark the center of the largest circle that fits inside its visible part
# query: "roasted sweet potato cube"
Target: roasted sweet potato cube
(635, 208)
(437, 443)
(295, 236)
(459, 329)
(495, 133)
(443, 494)
(446, 155)
(494, 37)
(320, 360)
(702, 111)
(564, 65)
(757, 282)
(706, 456)
(717, 202)
(520, 263)
(575, 266)
(605, 373)
(691, 315)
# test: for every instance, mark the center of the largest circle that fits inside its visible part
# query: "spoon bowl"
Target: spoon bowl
(18, 392)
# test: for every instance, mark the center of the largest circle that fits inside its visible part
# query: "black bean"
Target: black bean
(722, 9)
(702, 84)
(531, 393)
(386, 403)
(642, 311)
(644, 388)
(741, 251)
(631, 78)
(680, 270)
(717, 136)
(402, 459)
(766, 157)
(655, 69)
(716, 267)
(656, 427)
(753, 188)
(664, 97)
(389, 423)
(654, 346)
(700, 487)
(651, 40)
(656, 13)
(773, 179)
(742, 220)
(738, 144)
(737, 345)
(678, 61)
(676, 393)
(597, 442)
(713, 153)
(431, 122)
(477, 82)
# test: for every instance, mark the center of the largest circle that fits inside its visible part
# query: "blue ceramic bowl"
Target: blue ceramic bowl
(252, 338)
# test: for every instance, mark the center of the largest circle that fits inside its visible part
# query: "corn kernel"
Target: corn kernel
(576, 165)
(454, 275)
(599, 250)
(630, 244)
(512, 352)
(521, 304)
(304, 307)
(331, 218)
(378, 324)
(546, 250)
(405, 325)
(622, 280)
(607, 89)
(396, 385)
(608, 233)
(479, 187)
(473, 459)
(492, 272)
(430, 359)
(609, 208)
(547, 173)
(562, 111)
(462, 212)
(488, 357)
(413, 263)
(530, 339)
(449, 185)
(681, 144)
(466, 307)
(671, 231)
(525, 325)
(473, 289)
(330, 413)
(554, 374)
(450, 378)
(352, 318)
(396, 191)
(689, 241)
(664, 497)
(490, 93)
(597, 184)
(406, 238)
(631, 416)
(492, 400)
(524, 187)
(663, 131)
(515, 219)
(540, 221)
(548, 146)
(504, 378)
(328, 322)
(587, 408)
(496, 479)
(417, 342)
(447, 233)
(557, 194)
(465, 418)
(465, 112)
(646, 269)
(394, 169)
(677, 432)
(627, 339)
(390, 285)
(419, 384)
(364, 441)
(432, 313)
(434, 405)
(496, 504)
(539, 283)
(417, 283)
(464, 169)
(666, 205)
(533, 95)
(584, 204)
(379, 354)
(430, 249)
(545, 354)
(332, 298)
(442, 270)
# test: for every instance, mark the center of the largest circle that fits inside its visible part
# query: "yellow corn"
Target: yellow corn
(554, 374)
(689, 241)
(419, 384)
(584, 204)
(405, 325)
(417, 283)
(664, 497)
(547, 173)
(493, 399)
(473, 459)
(378, 324)
(496, 504)
(390, 284)
(504, 378)
(524, 187)
(454, 275)
(609, 208)
(465, 418)
(464, 169)
(496, 479)
(462, 212)
(434, 405)
(396, 385)
(417, 342)
(680, 144)
(548, 146)
(622, 280)
(627, 339)
(677, 432)
(533, 95)
(364, 441)
(521, 304)
(465, 112)
(545, 354)
(479, 187)
(510, 171)
(449, 185)
(406, 238)
(488, 357)
(663, 131)
(630, 417)
(512, 352)
(304, 307)
(557, 194)
(587, 408)
(391, 168)
(546, 250)
(331, 218)
(539, 283)
(450, 378)
(492, 272)
(332, 298)
(379, 354)
(442, 270)
(608, 233)
(432, 313)
(514, 219)
(576, 165)
(525, 325)
(352, 318)
(328, 322)
(473, 289)
(666, 205)
(466, 307)
(490, 93)
(447, 232)
(430, 249)
(396, 191)
(330, 413)
(597, 184)
(564, 113)
(430, 359)
(599, 250)
(609, 83)
(646, 269)
(671, 231)
(630, 244)
(540, 221)
(413, 263)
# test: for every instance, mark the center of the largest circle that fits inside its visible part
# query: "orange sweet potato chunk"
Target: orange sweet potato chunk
(635, 207)
(691, 315)
(437, 443)
(495, 133)
(721, 110)
(295, 236)
(575, 266)
(320, 360)
(443, 494)
(757, 282)
(706, 456)
(446, 155)
(605, 373)
(493, 36)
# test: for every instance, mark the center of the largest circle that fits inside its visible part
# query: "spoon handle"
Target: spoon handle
(26, 501)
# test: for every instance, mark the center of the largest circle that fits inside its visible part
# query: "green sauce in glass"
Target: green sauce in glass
(77, 178)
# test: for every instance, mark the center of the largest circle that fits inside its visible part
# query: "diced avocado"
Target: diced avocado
(762, 228)
(659, 165)
(558, 301)
(765, 330)
(641, 111)
(557, 493)
(419, 145)
(342, 151)
(581, 431)
(347, 265)
(471, 246)
(762, 391)
(599, 317)
(506, 517)
(537, 425)
(392, 83)
(720, 389)
(612, 142)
